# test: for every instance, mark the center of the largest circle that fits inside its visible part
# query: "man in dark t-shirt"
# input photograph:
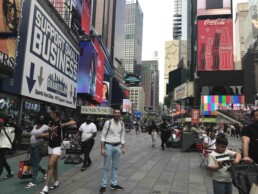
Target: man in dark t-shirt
(250, 139)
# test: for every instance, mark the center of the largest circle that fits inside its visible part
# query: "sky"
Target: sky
(157, 28)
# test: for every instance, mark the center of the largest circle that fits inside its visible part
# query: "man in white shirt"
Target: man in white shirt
(88, 132)
(112, 145)
(209, 142)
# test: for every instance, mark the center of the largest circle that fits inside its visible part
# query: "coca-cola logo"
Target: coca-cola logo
(217, 22)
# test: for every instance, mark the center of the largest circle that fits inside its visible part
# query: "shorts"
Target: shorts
(55, 150)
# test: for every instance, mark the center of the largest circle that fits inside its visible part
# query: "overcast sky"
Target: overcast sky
(157, 28)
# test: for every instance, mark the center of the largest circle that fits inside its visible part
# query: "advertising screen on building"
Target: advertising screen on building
(76, 13)
(105, 93)
(132, 80)
(99, 72)
(215, 45)
(86, 16)
(50, 59)
(87, 69)
(9, 16)
(209, 104)
(127, 106)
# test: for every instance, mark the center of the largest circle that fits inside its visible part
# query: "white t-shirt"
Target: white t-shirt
(4, 141)
(87, 130)
(35, 132)
(211, 142)
(222, 175)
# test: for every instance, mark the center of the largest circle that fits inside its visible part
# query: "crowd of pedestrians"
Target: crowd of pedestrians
(113, 145)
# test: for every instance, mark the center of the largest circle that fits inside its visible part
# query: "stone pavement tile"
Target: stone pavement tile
(138, 176)
(82, 191)
(179, 191)
(147, 183)
(197, 187)
(166, 178)
(161, 188)
(179, 185)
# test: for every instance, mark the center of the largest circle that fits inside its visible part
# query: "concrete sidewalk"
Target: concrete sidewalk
(143, 170)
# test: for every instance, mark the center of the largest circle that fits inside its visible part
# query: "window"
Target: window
(214, 4)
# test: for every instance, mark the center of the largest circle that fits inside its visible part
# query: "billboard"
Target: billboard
(76, 12)
(209, 104)
(9, 16)
(99, 72)
(127, 106)
(132, 80)
(105, 93)
(87, 74)
(50, 59)
(86, 16)
(215, 45)
(195, 116)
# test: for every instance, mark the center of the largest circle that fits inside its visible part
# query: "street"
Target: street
(143, 170)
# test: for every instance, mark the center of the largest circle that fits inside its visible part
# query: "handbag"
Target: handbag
(43, 149)
(254, 189)
(25, 169)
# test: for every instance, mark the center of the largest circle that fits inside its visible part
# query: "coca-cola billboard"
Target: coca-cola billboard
(215, 45)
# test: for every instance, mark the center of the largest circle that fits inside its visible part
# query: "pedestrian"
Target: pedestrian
(112, 145)
(153, 131)
(249, 139)
(209, 141)
(137, 126)
(165, 133)
(221, 178)
(7, 134)
(35, 155)
(54, 151)
(18, 132)
(87, 132)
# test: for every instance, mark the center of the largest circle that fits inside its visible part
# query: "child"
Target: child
(222, 182)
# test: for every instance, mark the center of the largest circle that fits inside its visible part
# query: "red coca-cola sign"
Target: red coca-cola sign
(216, 22)
(215, 45)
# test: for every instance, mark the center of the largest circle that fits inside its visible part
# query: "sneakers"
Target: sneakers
(9, 175)
(102, 190)
(44, 177)
(83, 168)
(29, 185)
(43, 192)
(53, 187)
(116, 187)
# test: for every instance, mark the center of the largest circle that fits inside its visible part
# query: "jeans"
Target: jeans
(222, 187)
(35, 159)
(3, 162)
(111, 153)
(87, 147)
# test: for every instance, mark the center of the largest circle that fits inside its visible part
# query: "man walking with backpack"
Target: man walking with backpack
(112, 145)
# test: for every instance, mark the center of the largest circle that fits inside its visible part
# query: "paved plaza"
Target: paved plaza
(143, 170)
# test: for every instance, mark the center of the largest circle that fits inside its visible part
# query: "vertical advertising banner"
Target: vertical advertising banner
(9, 15)
(127, 106)
(99, 73)
(50, 60)
(87, 75)
(76, 15)
(86, 16)
(215, 45)
(105, 93)
(195, 115)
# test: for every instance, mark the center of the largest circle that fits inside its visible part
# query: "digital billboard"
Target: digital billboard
(127, 106)
(132, 80)
(9, 15)
(99, 72)
(87, 69)
(209, 104)
(76, 12)
(105, 93)
(215, 45)
(86, 16)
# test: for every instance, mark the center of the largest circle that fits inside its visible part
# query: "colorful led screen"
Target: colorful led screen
(209, 104)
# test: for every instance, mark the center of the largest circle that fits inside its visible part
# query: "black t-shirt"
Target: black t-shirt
(251, 131)
(55, 138)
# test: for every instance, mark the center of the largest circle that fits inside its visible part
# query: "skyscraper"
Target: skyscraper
(133, 35)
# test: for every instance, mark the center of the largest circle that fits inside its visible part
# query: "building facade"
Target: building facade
(133, 36)
(150, 83)
(137, 95)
